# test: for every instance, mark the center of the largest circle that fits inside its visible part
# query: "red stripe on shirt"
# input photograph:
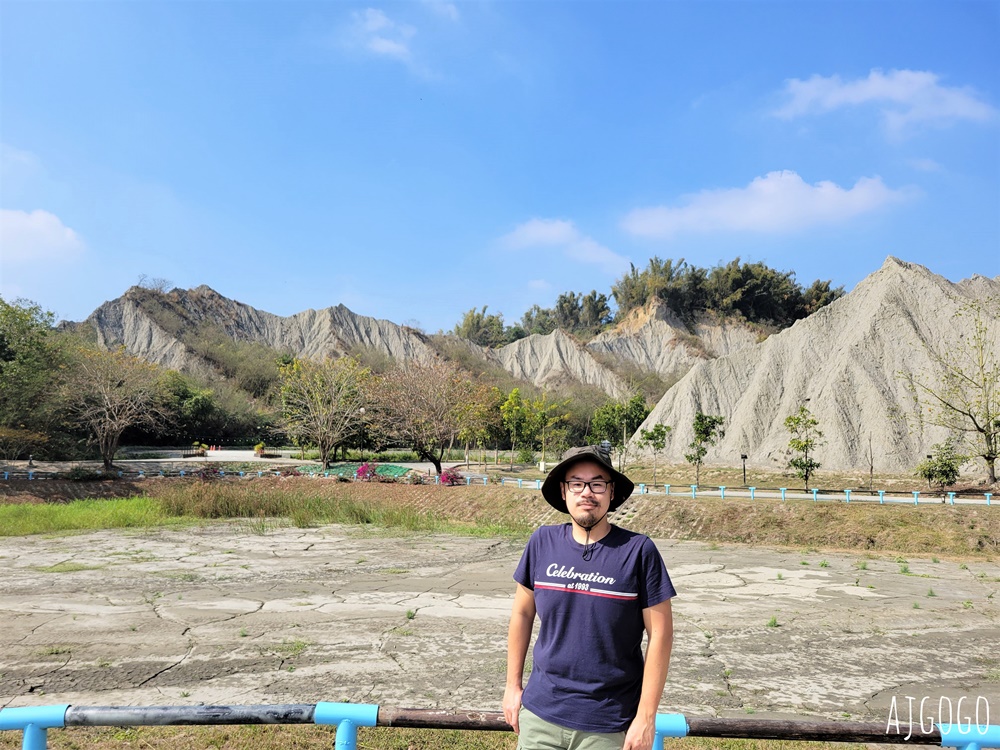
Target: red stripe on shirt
(604, 594)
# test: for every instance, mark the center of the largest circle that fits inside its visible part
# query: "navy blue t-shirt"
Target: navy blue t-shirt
(587, 670)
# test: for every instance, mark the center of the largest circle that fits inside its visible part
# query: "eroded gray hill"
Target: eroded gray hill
(851, 359)
(152, 327)
(850, 363)
(654, 339)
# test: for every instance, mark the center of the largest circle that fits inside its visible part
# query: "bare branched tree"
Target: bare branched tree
(425, 407)
(323, 403)
(965, 396)
(109, 392)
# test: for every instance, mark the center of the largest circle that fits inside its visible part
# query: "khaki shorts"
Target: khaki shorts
(538, 734)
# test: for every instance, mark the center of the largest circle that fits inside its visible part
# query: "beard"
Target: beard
(587, 518)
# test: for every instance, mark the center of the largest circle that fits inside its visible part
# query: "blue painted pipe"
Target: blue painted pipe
(669, 725)
(694, 490)
(752, 490)
(722, 492)
(347, 717)
(34, 721)
(815, 493)
(916, 497)
(881, 497)
(969, 736)
(783, 490)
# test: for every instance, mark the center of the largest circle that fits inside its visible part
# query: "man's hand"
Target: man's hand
(640, 734)
(522, 618)
(511, 707)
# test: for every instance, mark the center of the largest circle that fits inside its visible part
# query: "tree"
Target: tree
(109, 392)
(482, 329)
(425, 406)
(517, 418)
(655, 440)
(708, 431)
(545, 416)
(482, 420)
(616, 422)
(322, 403)
(32, 361)
(806, 438)
(540, 320)
(16, 442)
(942, 466)
(965, 397)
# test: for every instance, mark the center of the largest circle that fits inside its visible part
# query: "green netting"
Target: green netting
(351, 470)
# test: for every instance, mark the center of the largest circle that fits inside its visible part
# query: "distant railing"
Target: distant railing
(35, 721)
(882, 497)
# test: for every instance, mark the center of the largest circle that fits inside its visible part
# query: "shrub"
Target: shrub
(81, 474)
(366, 472)
(452, 477)
(942, 468)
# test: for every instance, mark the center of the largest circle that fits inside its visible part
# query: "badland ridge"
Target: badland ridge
(849, 362)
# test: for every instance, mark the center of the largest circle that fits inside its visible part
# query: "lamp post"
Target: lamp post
(743, 456)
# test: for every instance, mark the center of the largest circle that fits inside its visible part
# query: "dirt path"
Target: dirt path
(226, 614)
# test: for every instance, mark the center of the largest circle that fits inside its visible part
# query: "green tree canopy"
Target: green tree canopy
(708, 431)
(806, 437)
(322, 403)
(616, 422)
(755, 291)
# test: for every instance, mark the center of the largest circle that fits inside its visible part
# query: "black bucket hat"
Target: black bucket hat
(552, 492)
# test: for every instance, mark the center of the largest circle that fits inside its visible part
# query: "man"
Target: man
(596, 588)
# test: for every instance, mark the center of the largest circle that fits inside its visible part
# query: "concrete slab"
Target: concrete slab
(219, 614)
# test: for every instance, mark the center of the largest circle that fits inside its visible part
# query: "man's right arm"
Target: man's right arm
(522, 619)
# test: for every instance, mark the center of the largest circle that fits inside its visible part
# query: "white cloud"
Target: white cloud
(563, 235)
(779, 202)
(925, 165)
(443, 9)
(36, 236)
(904, 97)
(539, 285)
(372, 30)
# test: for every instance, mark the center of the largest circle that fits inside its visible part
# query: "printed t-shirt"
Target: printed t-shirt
(587, 661)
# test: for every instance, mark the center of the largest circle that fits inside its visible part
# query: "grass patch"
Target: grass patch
(68, 567)
(265, 503)
(308, 737)
(85, 515)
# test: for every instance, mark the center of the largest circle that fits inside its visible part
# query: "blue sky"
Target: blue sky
(412, 160)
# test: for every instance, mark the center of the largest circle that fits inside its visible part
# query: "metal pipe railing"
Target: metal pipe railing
(347, 717)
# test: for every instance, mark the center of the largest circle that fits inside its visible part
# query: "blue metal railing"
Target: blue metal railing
(35, 721)
(694, 491)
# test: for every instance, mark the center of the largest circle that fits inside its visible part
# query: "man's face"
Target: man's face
(587, 507)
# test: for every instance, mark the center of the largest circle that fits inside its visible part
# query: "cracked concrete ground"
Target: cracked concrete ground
(223, 615)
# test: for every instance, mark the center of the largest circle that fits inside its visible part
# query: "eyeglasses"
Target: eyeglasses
(597, 486)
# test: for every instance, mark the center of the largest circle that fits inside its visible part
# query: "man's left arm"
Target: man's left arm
(659, 622)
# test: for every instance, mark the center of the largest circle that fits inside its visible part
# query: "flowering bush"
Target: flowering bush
(414, 477)
(451, 476)
(366, 472)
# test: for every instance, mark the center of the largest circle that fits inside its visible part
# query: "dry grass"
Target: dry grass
(960, 531)
(317, 738)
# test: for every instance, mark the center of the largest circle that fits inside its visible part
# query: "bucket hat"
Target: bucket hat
(552, 491)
